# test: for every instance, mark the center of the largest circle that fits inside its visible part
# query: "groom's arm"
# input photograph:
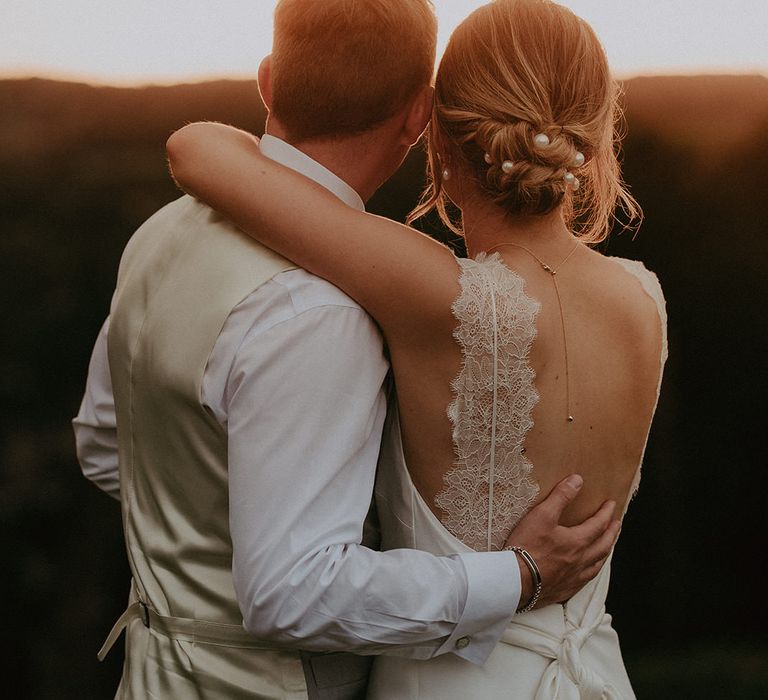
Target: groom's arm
(95, 425)
(304, 412)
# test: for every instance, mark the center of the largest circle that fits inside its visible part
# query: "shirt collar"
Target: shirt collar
(278, 150)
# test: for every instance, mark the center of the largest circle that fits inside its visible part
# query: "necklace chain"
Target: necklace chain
(552, 272)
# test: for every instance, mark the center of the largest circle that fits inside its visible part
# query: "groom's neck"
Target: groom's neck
(363, 161)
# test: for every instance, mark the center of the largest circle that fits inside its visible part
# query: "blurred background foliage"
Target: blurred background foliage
(82, 166)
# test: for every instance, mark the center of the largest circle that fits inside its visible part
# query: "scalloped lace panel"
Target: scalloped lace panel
(490, 486)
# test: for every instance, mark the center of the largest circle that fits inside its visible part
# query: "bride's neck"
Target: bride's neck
(487, 226)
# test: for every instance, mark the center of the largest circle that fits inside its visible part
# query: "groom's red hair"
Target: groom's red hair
(342, 67)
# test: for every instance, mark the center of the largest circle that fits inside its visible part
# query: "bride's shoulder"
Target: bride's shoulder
(634, 267)
(629, 295)
(637, 272)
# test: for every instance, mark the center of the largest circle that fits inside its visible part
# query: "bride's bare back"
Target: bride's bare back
(614, 341)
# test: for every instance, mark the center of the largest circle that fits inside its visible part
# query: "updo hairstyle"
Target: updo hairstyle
(512, 70)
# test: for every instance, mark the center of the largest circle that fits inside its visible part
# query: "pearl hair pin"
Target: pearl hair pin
(540, 140)
(507, 166)
(572, 181)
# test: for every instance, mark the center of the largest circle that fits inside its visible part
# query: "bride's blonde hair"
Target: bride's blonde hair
(514, 69)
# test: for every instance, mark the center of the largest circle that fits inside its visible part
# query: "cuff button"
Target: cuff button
(462, 642)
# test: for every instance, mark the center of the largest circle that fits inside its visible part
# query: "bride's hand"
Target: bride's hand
(567, 557)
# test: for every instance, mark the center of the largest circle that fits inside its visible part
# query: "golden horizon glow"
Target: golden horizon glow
(181, 41)
(171, 80)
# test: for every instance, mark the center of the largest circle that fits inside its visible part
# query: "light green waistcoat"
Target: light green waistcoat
(181, 275)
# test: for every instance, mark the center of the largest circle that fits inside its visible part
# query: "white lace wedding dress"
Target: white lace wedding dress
(568, 652)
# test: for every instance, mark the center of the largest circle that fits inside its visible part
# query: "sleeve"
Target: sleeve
(305, 410)
(95, 425)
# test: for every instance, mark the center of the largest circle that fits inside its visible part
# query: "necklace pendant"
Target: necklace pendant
(570, 419)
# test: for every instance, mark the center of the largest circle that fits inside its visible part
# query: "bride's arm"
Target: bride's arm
(402, 277)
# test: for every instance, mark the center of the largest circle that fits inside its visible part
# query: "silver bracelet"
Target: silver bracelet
(535, 575)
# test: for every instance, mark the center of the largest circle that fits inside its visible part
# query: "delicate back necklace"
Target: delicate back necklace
(552, 271)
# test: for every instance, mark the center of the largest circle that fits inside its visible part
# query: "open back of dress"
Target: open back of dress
(560, 651)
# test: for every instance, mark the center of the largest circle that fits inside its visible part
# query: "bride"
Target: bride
(534, 357)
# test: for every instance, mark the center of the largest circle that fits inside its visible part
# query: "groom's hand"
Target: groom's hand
(567, 557)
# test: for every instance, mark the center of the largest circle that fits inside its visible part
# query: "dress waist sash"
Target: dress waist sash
(566, 677)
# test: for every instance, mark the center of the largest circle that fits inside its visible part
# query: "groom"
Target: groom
(234, 405)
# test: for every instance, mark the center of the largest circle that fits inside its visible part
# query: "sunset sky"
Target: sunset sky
(140, 41)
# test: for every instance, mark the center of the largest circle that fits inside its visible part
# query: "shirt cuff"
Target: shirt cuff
(493, 596)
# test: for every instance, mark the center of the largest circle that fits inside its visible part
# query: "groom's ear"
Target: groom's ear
(419, 111)
(265, 82)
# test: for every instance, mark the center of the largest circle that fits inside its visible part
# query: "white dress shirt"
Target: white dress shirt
(295, 377)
